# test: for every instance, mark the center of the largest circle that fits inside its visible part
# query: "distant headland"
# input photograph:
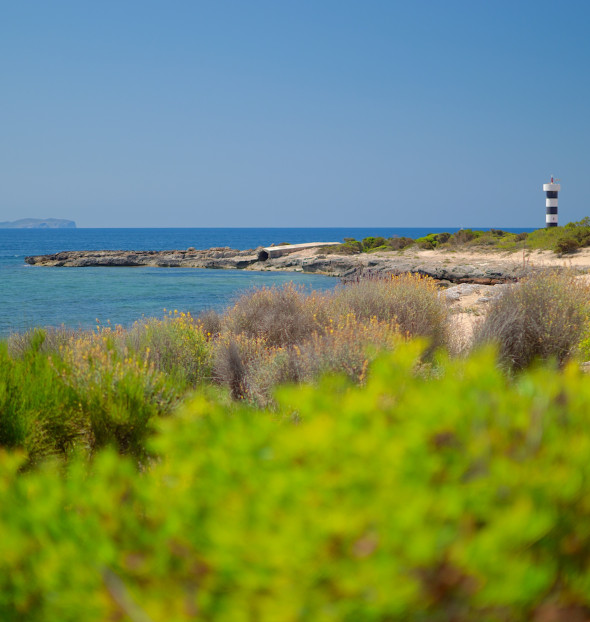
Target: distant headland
(39, 223)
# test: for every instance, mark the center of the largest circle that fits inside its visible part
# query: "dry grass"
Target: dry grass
(176, 345)
(234, 356)
(346, 347)
(541, 318)
(47, 340)
(280, 315)
(211, 322)
(410, 301)
(280, 334)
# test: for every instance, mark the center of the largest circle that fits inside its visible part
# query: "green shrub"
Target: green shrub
(566, 244)
(493, 238)
(80, 399)
(119, 395)
(432, 240)
(542, 317)
(460, 497)
(549, 238)
(380, 249)
(544, 239)
(371, 243)
(349, 247)
(427, 242)
(39, 412)
(368, 245)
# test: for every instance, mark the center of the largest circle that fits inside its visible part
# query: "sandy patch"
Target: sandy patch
(462, 326)
(526, 258)
(468, 305)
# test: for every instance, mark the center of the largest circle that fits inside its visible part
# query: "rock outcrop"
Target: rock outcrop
(489, 270)
(221, 258)
(349, 266)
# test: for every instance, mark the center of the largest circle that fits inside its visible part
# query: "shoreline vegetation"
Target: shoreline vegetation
(560, 240)
(340, 455)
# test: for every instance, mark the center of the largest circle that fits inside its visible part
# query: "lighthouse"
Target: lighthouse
(551, 189)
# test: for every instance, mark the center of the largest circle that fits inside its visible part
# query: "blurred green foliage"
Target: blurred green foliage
(459, 495)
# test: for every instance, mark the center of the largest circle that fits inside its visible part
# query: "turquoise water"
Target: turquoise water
(76, 297)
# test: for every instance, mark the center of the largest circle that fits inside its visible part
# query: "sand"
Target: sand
(532, 258)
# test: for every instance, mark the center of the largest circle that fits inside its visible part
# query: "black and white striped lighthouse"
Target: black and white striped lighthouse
(551, 203)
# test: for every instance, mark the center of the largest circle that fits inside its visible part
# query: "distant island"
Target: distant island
(39, 223)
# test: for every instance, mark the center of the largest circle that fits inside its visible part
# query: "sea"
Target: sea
(78, 298)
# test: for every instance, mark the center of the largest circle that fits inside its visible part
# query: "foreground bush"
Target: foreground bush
(462, 497)
(542, 317)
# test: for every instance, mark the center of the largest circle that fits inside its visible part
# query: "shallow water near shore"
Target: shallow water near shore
(77, 297)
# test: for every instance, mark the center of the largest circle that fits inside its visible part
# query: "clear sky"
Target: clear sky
(295, 113)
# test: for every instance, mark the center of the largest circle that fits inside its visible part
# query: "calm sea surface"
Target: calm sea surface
(76, 297)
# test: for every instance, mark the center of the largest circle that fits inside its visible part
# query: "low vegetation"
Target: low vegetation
(458, 496)
(62, 392)
(544, 317)
(302, 456)
(561, 240)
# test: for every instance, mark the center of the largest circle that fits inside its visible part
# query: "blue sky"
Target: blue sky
(126, 113)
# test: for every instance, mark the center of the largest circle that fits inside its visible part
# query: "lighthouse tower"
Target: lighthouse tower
(551, 203)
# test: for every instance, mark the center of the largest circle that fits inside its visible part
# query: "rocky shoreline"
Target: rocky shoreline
(215, 258)
(445, 271)
(487, 269)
